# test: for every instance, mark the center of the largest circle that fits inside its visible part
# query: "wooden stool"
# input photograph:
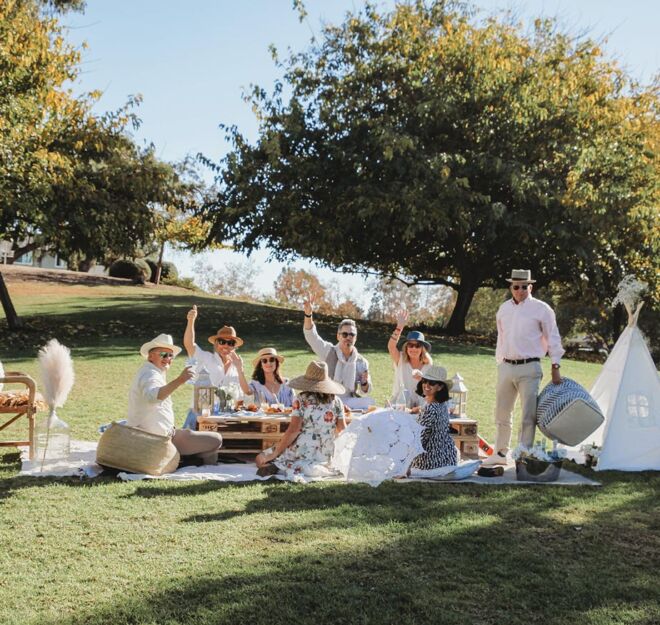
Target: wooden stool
(28, 410)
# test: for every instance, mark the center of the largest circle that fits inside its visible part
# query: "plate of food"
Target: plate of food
(277, 409)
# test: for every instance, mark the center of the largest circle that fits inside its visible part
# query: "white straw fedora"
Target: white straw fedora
(162, 341)
(317, 380)
(520, 274)
(435, 373)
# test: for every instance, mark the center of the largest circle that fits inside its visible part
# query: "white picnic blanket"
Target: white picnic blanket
(82, 463)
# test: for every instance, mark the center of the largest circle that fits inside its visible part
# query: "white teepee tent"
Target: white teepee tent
(628, 392)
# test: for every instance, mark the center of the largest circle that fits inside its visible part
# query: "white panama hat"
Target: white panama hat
(163, 341)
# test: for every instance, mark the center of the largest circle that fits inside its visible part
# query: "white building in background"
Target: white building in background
(41, 257)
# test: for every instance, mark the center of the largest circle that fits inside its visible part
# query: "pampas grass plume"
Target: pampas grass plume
(56, 368)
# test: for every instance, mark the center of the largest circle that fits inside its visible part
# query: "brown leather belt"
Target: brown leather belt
(522, 361)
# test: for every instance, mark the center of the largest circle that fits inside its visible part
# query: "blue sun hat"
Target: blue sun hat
(415, 335)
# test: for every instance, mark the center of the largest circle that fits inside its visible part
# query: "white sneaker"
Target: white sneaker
(497, 458)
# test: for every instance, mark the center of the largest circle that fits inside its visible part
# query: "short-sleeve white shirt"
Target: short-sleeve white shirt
(145, 410)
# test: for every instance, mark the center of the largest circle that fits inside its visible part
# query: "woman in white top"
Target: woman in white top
(267, 384)
(412, 354)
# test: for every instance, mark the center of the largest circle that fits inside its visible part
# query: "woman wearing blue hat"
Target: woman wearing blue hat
(407, 356)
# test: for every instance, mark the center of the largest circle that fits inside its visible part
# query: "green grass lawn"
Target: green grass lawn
(82, 552)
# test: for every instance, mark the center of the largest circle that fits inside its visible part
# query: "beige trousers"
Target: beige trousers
(204, 445)
(513, 381)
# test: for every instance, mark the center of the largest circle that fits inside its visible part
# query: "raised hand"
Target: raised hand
(401, 318)
(236, 360)
(192, 314)
(187, 374)
(308, 303)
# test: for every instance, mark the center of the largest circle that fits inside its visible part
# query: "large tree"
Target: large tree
(430, 145)
(71, 180)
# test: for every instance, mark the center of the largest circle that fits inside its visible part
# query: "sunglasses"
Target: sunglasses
(265, 361)
(166, 355)
(515, 287)
(414, 345)
(430, 382)
(346, 334)
(229, 342)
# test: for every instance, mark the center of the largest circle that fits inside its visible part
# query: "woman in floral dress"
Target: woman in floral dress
(439, 447)
(318, 416)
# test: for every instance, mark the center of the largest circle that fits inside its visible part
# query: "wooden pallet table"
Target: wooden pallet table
(252, 434)
(245, 434)
(27, 410)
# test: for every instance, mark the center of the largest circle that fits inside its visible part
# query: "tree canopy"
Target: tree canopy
(71, 180)
(427, 144)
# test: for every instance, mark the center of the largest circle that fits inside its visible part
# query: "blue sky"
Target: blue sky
(191, 61)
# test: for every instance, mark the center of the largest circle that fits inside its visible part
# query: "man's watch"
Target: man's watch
(555, 365)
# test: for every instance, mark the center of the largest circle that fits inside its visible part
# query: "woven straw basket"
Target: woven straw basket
(131, 449)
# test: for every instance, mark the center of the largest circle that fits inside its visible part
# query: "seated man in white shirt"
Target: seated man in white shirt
(526, 332)
(345, 364)
(223, 363)
(150, 403)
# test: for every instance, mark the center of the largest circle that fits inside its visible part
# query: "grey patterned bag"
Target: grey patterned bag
(567, 413)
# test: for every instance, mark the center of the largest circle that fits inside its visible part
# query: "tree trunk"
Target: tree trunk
(13, 320)
(466, 290)
(618, 322)
(159, 264)
(86, 264)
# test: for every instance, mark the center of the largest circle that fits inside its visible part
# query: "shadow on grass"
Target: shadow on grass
(418, 554)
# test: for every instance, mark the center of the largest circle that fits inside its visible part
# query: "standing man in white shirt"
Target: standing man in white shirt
(526, 332)
(345, 364)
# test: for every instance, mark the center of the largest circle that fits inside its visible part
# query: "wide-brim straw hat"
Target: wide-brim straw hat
(228, 333)
(267, 351)
(435, 373)
(317, 380)
(520, 275)
(415, 335)
(164, 341)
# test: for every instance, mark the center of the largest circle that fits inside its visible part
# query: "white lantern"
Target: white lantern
(458, 395)
(204, 392)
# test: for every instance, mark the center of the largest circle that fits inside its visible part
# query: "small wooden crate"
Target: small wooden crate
(466, 436)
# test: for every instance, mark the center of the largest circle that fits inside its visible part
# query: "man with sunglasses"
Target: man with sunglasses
(526, 332)
(345, 364)
(223, 363)
(150, 402)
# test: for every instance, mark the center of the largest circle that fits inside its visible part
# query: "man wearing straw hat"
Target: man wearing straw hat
(150, 402)
(345, 364)
(223, 363)
(526, 332)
